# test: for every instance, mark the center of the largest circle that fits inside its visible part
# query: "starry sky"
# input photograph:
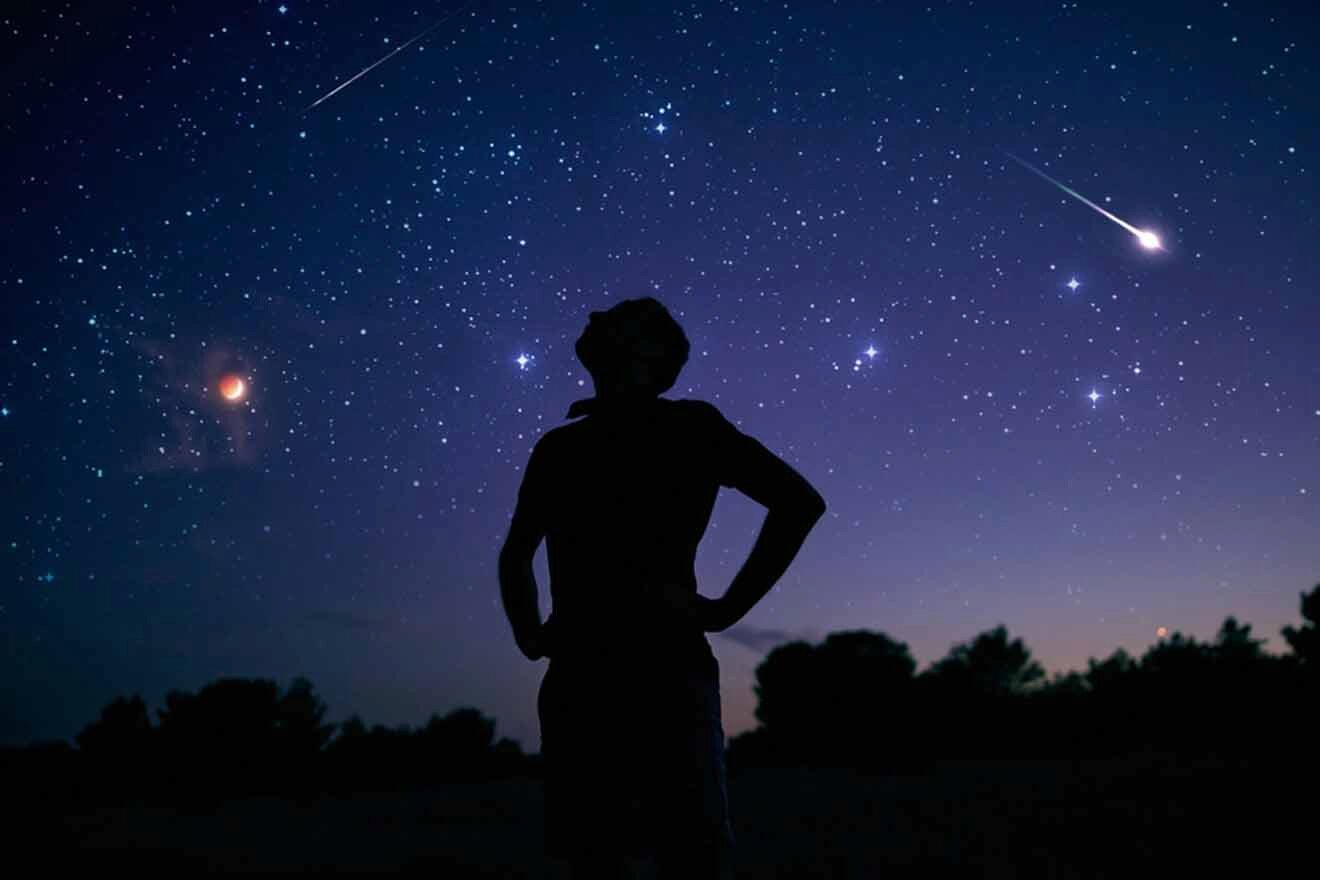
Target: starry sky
(1016, 413)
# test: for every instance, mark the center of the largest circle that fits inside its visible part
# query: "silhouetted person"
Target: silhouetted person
(631, 734)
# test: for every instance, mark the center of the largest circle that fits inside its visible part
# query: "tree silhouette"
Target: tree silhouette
(123, 730)
(1111, 674)
(974, 697)
(116, 748)
(1176, 687)
(457, 746)
(1305, 642)
(864, 687)
(351, 730)
(298, 718)
(844, 702)
(241, 735)
(988, 666)
(786, 697)
(1110, 721)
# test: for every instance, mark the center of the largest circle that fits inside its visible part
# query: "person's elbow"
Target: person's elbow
(809, 506)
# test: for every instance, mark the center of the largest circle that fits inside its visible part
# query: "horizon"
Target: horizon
(337, 720)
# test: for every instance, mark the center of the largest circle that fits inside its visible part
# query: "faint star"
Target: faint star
(4, 410)
(282, 9)
(48, 577)
(660, 127)
(1094, 395)
(1073, 284)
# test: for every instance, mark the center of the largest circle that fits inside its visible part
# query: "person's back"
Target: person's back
(631, 735)
(630, 491)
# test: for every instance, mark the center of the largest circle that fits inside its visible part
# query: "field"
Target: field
(1094, 818)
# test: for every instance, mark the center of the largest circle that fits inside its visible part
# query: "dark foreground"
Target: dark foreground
(1057, 818)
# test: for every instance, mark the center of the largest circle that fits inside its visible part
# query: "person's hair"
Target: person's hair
(634, 331)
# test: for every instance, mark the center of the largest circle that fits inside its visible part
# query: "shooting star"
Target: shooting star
(348, 82)
(1149, 240)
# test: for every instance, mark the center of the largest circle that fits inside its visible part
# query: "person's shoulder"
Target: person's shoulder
(697, 408)
(553, 437)
(705, 414)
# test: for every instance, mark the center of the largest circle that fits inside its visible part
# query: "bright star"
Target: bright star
(1073, 284)
(522, 360)
(4, 410)
(283, 9)
(1094, 395)
(660, 127)
(871, 352)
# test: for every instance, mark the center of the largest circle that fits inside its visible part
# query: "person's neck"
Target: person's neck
(624, 398)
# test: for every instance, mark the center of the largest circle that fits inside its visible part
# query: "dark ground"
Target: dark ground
(1056, 818)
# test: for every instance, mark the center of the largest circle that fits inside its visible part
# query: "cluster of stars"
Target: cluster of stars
(660, 126)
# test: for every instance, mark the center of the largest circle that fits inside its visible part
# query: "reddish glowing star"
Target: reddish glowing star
(233, 388)
(1162, 631)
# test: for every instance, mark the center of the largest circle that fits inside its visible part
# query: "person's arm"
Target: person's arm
(793, 504)
(782, 535)
(518, 589)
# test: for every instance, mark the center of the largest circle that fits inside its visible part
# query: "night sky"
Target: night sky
(1016, 412)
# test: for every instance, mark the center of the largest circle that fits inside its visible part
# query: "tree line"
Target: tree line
(855, 700)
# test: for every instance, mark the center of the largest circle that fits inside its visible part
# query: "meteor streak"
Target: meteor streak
(1149, 240)
(348, 82)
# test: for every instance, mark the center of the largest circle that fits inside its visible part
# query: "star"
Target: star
(660, 127)
(4, 410)
(871, 352)
(1094, 395)
(1073, 284)
(522, 360)
(282, 9)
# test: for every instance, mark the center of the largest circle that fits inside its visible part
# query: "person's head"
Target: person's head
(634, 348)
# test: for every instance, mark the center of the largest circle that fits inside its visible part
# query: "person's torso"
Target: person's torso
(630, 496)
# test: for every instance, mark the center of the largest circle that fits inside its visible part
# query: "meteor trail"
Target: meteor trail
(348, 82)
(1149, 240)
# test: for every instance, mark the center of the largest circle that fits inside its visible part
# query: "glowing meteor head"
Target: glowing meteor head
(1149, 240)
